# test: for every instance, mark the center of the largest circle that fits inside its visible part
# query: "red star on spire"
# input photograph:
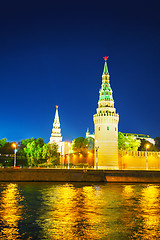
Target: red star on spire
(105, 58)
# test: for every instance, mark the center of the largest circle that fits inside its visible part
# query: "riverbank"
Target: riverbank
(77, 175)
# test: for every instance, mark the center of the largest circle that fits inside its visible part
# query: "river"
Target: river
(79, 211)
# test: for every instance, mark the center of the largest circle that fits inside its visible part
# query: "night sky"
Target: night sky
(51, 53)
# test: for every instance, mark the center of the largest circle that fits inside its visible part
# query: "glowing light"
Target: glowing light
(14, 145)
(147, 146)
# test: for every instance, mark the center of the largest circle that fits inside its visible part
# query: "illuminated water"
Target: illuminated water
(79, 211)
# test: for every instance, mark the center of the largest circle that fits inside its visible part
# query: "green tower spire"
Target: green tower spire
(105, 71)
(105, 92)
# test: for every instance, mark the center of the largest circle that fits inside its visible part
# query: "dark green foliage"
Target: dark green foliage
(157, 143)
(144, 142)
(50, 152)
(3, 141)
(37, 152)
(6, 153)
(30, 152)
(21, 145)
(80, 144)
(6, 147)
(127, 143)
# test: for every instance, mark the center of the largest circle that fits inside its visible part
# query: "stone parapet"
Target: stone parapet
(78, 175)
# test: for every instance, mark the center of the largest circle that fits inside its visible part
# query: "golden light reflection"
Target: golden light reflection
(150, 210)
(79, 211)
(73, 213)
(128, 191)
(10, 212)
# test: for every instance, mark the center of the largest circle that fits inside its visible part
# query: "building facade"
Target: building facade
(106, 126)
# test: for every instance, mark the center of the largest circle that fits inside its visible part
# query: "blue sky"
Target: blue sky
(51, 53)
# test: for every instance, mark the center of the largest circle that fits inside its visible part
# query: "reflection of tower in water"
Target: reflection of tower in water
(73, 213)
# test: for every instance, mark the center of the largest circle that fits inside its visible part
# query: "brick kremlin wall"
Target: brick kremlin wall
(136, 160)
(128, 160)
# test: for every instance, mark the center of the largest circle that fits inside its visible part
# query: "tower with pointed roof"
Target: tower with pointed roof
(63, 147)
(56, 130)
(106, 126)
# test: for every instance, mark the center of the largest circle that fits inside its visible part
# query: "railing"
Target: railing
(106, 114)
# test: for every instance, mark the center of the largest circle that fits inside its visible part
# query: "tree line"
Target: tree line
(129, 143)
(34, 152)
(31, 152)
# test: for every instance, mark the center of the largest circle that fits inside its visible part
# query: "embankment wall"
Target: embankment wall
(77, 175)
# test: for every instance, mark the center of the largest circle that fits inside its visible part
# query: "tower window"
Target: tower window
(107, 128)
(99, 128)
(115, 129)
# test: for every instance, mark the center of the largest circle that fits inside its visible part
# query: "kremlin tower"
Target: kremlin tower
(56, 132)
(63, 147)
(106, 126)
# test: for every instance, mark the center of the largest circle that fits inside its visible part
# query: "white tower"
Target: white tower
(106, 126)
(56, 130)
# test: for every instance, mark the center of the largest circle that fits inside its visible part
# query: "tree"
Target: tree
(3, 141)
(5, 147)
(121, 141)
(50, 153)
(157, 143)
(80, 144)
(21, 145)
(6, 151)
(33, 151)
(144, 142)
(133, 143)
(39, 153)
(128, 143)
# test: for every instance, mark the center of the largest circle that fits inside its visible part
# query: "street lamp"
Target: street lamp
(62, 158)
(97, 156)
(14, 145)
(68, 159)
(147, 146)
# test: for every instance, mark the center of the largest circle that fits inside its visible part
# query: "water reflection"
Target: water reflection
(150, 210)
(142, 214)
(79, 211)
(74, 212)
(10, 212)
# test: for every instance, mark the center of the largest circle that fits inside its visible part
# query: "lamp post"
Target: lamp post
(147, 146)
(68, 159)
(14, 145)
(62, 158)
(97, 156)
